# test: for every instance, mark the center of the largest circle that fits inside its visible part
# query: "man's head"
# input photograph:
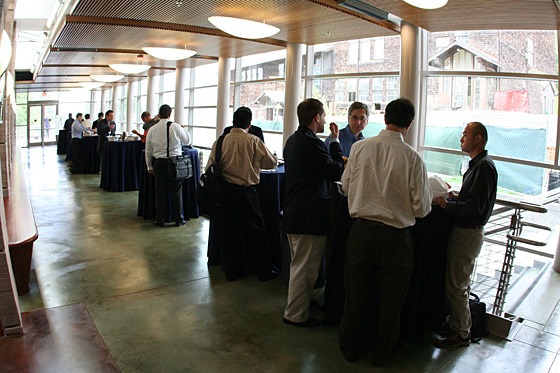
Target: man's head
(146, 116)
(474, 139)
(164, 111)
(70, 115)
(109, 115)
(100, 116)
(242, 117)
(358, 115)
(87, 116)
(79, 117)
(311, 114)
(400, 113)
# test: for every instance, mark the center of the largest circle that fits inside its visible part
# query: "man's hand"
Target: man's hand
(151, 172)
(334, 130)
(440, 201)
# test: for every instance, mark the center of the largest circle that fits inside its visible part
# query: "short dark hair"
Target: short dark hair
(99, 115)
(400, 112)
(479, 129)
(79, 115)
(242, 117)
(87, 116)
(108, 112)
(164, 111)
(145, 114)
(308, 109)
(358, 105)
(70, 115)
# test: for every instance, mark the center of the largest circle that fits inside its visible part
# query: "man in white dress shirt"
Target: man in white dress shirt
(156, 162)
(387, 187)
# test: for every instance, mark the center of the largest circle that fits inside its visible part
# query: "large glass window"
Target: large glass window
(513, 51)
(364, 55)
(519, 111)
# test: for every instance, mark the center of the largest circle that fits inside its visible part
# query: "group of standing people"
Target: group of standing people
(386, 184)
(104, 126)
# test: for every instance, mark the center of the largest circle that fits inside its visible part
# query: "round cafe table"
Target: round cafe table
(147, 189)
(121, 165)
(271, 198)
(89, 154)
(61, 142)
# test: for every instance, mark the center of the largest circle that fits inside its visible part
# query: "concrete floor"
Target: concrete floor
(159, 308)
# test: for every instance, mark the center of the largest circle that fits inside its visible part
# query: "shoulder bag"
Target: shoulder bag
(209, 195)
(179, 167)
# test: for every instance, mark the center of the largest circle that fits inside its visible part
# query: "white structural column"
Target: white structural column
(130, 88)
(411, 74)
(181, 75)
(103, 101)
(224, 80)
(115, 98)
(294, 54)
(92, 100)
(114, 104)
(151, 102)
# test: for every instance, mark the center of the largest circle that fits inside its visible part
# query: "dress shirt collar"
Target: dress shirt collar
(238, 130)
(391, 134)
(351, 134)
(477, 159)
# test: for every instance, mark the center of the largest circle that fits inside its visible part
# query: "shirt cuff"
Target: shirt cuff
(334, 140)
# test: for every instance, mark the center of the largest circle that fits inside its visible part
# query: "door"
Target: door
(42, 124)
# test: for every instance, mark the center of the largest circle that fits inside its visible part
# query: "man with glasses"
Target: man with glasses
(358, 114)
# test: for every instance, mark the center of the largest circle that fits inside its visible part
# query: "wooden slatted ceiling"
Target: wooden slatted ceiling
(88, 36)
(120, 26)
(463, 15)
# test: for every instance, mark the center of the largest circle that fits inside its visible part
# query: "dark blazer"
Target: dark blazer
(309, 168)
(68, 124)
(103, 131)
(253, 130)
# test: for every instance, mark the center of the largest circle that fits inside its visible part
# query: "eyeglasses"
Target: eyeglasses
(361, 118)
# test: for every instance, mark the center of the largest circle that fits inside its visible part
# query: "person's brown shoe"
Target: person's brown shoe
(452, 341)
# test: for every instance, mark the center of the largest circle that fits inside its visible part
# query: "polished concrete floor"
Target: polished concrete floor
(158, 307)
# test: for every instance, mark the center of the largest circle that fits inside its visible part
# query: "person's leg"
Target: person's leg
(306, 253)
(359, 274)
(229, 227)
(464, 247)
(160, 177)
(176, 192)
(396, 263)
(255, 232)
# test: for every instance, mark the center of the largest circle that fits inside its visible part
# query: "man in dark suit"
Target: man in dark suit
(68, 123)
(253, 130)
(96, 122)
(309, 168)
(105, 127)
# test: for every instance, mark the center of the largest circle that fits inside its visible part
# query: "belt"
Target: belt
(469, 226)
(370, 223)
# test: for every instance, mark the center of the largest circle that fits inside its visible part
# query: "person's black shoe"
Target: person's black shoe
(378, 362)
(309, 323)
(351, 356)
(271, 274)
(180, 223)
(158, 224)
(233, 275)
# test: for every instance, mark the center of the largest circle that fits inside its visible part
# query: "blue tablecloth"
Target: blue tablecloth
(121, 165)
(62, 142)
(89, 154)
(270, 190)
(146, 190)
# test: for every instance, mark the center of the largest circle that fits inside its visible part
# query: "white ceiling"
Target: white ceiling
(31, 20)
